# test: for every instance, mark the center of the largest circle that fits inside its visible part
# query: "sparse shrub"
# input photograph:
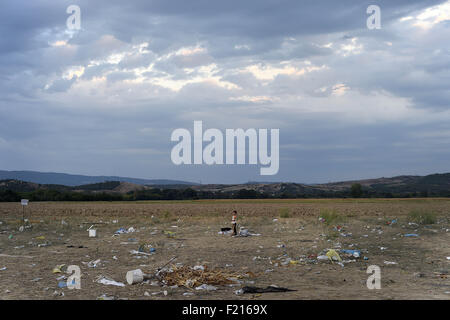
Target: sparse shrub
(330, 217)
(166, 215)
(422, 217)
(284, 213)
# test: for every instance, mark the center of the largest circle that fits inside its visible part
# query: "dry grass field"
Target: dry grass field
(283, 254)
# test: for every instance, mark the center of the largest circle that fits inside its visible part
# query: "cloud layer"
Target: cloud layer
(349, 102)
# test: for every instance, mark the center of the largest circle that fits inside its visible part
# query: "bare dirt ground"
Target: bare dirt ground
(289, 230)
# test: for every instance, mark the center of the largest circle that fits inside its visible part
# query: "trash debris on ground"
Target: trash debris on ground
(123, 230)
(169, 234)
(106, 297)
(391, 222)
(11, 256)
(411, 235)
(201, 268)
(188, 277)
(271, 288)
(93, 263)
(206, 287)
(92, 232)
(353, 253)
(333, 255)
(108, 281)
(148, 248)
(140, 252)
(3, 269)
(136, 276)
(390, 262)
(58, 268)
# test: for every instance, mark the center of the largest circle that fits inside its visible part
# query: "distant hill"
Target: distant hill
(401, 186)
(77, 180)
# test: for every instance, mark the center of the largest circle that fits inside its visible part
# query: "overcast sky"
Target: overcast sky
(350, 102)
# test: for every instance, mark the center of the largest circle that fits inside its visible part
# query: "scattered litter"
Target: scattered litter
(202, 268)
(390, 262)
(92, 233)
(170, 234)
(188, 277)
(139, 252)
(206, 287)
(354, 253)
(333, 255)
(106, 297)
(411, 235)
(41, 245)
(123, 230)
(10, 256)
(58, 268)
(4, 268)
(271, 288)
(93, 263)
(391, 222)
(136, 276)
(56, 293)
(188, 294)
(108, 281)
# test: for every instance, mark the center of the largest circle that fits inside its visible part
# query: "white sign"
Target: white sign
(24, 202)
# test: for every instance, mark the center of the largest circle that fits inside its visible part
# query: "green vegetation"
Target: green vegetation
(331, 217)
(422, 217)
(284, 213)
(356, 190)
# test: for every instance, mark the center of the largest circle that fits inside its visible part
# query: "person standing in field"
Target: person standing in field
(234, 223)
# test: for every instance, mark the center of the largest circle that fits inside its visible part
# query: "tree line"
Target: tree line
(356, 191)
